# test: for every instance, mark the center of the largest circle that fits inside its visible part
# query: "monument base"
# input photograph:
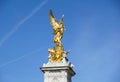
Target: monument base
(58, 71)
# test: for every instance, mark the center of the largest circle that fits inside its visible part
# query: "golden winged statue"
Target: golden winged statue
(57, 53)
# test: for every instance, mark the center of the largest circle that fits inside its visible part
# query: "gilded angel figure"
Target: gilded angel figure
(57, 53)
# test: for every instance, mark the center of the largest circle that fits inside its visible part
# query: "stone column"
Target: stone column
(58, 72)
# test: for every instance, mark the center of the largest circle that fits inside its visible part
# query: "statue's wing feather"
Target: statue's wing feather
(53, 21)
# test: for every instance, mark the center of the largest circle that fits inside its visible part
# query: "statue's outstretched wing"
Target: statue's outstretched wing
(53, 21)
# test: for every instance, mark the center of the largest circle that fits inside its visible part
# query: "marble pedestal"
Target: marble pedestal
(58, 72)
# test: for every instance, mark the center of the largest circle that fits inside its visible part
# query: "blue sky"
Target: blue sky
(92, 34)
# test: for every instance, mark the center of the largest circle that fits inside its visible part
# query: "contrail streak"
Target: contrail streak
(19, 58)
(17, 26)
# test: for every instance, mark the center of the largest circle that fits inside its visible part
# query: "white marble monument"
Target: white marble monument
(58, 71)
(58, 68)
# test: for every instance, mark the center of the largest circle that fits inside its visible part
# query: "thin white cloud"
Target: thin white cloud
(17, 26)
(21, 57)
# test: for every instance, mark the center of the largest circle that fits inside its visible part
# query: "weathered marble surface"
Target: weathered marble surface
(55, 76)
(58, 72)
